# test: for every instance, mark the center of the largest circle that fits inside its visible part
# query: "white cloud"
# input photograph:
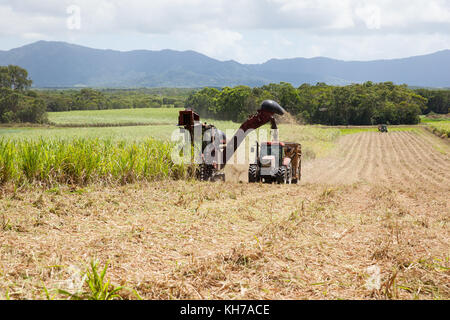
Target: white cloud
(371, 15)
(244, 30)
(165, 16)
(215, 42)
(317, 14)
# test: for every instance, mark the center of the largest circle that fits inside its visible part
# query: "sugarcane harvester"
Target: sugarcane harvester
(216, 152)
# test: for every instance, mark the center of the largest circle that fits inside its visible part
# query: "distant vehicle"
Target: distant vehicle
(383, 128)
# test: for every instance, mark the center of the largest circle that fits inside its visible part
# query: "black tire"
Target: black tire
(281, 176)
(253, 174)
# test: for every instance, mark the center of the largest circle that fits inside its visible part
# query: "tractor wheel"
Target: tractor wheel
(253, 174)
(281, 176)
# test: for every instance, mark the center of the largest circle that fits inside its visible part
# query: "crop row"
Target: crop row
(83, 161)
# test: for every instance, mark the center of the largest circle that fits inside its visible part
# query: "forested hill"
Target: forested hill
(58, 64)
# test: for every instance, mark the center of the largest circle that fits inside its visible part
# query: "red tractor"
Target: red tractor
(278, 162)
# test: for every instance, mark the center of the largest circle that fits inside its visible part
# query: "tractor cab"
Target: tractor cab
(271, 155)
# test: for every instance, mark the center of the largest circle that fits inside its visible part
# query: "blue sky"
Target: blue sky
(248, 31)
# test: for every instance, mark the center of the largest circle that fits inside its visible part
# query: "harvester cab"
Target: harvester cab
(278, 162)
(210, 164)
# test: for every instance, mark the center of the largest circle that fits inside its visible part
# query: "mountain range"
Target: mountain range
(60, 64)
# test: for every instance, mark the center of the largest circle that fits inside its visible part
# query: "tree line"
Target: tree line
(357, 104)
(438, 101)
(91, 99)
(17, 102)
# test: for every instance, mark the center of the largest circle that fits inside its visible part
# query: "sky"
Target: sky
(247, 31)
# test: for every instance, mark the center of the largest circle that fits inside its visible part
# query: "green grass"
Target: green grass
(439, 124)
(158, 124)
(99, 288)
(316, 141)
(163, 116)
(428, 120)
(348, 131)
(133, 133)
(128, 133)
(126, 117)
(83, 161)
(441, 128)
(435, 118)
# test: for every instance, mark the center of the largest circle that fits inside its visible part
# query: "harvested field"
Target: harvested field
(377, 202)
(399, 158)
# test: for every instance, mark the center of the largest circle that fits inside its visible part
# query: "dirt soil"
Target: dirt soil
(370, 221)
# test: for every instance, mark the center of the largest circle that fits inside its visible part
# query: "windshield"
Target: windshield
(270, 150)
